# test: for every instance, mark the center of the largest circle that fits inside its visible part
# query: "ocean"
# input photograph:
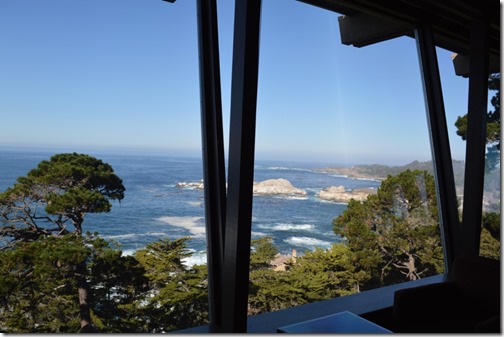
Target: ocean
(154, 206)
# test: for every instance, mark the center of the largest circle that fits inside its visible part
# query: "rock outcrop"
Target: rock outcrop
(277, 187)
(339, 194)
(267, 187)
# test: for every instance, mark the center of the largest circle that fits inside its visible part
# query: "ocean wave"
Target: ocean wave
(195, 203)
(288, 197)
(254, 233)
(192, 223)
(133, 235)
(196, 259)
(288, 227)
(323, 201)
(303, 241)
(128, 252)
(367, 179)
(285, 168)
(346, 176)
(278, 168)
(339, 175)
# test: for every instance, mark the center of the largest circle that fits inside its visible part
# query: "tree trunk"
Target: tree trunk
(77, 222)
(83, 288)
(412, 274)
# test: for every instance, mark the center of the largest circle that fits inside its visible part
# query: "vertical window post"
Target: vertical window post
(213, 153)
(241, 164)
(440, 144)
(476, 139)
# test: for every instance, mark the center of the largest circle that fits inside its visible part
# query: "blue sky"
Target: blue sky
(123, 74)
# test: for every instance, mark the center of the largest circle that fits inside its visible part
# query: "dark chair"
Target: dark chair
(469, 302)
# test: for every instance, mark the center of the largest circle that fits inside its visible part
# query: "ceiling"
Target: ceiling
(451, 20)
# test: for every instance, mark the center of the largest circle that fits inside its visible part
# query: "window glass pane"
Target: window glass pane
(115, 80)
(338, 123)
(455, 89)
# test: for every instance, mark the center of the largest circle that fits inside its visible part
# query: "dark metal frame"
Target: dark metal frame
(475, 140)
(440, 143)
(241, 164)
(213, 152)
(229, 218)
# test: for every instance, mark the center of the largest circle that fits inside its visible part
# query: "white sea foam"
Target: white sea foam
(303, 241)
(192, 223)
(121, 236)
(128, 252)
(195, 203)
(367, 179)
(323, 201)
(258, 233)
(284, 168)
(290, 197)
(278, 168)
(132, 235)
(296, 197)
(339, 175)
(288, 227)
(196, 258)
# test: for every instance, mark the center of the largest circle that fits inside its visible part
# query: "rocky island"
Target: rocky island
(340, 194)
(283, 187)
(277, 187)
(267, 187)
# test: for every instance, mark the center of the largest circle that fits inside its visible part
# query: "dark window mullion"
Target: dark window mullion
(440, 144)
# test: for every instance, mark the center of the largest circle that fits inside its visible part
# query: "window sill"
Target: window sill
(359, 304)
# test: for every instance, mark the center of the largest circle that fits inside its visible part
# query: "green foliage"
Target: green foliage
(395, 233)
(263, 252)
(490, 236)
(156, 293)
(60, 190)
(324, 274)
(36, 211)
(46, 272)
(38, 290)
(119, 287)
(178, 297)
(318, 275)
(489, 246)
(356, 223)
(492, 223)
(271, 290)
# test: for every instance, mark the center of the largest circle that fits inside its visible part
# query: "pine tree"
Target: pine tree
(178, 296)
(54, 198)
(396, 231)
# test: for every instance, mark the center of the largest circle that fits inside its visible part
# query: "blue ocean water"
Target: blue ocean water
(154, 207)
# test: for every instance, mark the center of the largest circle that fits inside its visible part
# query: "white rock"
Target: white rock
(339, 194)
(276, 187)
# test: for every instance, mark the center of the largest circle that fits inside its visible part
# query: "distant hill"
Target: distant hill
(381, 172)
